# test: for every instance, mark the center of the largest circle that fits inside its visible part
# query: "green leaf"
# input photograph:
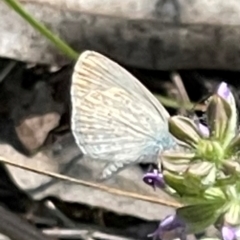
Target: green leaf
(237, 185)
(194, 182)
(199, 217)
(186, 200)
(178, 183)
(222, 181)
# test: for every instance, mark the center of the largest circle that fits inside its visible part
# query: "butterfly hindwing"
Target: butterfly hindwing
(114, 117)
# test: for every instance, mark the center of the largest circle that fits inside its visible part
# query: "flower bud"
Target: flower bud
(185, 130)
(217, 112)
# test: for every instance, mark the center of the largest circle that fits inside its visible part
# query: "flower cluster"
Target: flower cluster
(204, 172)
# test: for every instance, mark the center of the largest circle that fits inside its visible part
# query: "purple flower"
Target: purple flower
(229, 233)
(204, 130)
(154, 179)
(171, 227)
(224, 91)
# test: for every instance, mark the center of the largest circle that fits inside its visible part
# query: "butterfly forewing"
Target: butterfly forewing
(114, 117)
(98, 72)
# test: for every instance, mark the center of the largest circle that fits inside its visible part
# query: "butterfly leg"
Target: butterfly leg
(114, 167)
(111, 169)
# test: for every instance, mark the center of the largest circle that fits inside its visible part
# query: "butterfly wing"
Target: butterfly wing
(114, 117)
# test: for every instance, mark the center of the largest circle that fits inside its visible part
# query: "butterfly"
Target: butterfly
(114, 118)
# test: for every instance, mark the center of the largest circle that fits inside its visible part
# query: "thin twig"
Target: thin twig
(174, 104)
(177, 80)
(184, 99)
(115, 191)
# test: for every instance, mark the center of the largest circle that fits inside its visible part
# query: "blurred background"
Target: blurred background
(180, 50)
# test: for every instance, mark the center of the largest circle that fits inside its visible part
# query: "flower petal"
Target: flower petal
(223, 91)
(171, 225)
(204, 130)
(228, 233)
(154, 179)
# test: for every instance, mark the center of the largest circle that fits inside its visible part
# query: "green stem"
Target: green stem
(173, 104)
(61, 45)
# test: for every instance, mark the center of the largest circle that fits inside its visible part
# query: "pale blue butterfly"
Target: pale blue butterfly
(114, 117)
